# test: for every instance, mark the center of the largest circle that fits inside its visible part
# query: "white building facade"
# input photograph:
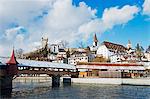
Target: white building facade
(112, 51)
(78, 57)
(147, 55)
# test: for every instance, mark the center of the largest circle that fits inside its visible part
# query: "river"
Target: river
(36, 89)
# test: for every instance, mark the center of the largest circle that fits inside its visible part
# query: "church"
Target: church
(95, 45)
(113, 52)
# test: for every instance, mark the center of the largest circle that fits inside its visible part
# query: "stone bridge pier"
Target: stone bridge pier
(6, 86)
(56, 80)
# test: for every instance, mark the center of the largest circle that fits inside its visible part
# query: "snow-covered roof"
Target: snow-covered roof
(1, 64)
(3, 60)
(33, 63)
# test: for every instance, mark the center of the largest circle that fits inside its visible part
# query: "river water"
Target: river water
(43, 90)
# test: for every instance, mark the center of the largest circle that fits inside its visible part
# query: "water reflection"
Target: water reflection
(44, 90)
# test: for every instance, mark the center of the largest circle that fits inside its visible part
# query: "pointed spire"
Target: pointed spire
(95, 43)
(95, 38)
(12, 59)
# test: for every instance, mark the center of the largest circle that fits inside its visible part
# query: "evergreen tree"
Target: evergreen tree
(148, 49)
(139, 51)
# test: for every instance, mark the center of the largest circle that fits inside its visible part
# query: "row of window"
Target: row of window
(85, 58)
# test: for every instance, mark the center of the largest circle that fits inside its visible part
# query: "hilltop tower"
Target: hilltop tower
(44, 42)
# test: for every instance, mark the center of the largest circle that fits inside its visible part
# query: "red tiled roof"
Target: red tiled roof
(113, 46)
(12, 59)
(110, 64)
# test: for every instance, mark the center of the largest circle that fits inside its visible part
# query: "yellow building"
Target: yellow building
(110, 70)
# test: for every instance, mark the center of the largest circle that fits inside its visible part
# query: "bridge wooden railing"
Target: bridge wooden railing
(48, 72)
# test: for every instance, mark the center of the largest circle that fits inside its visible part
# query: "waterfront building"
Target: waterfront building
(79, 55)
(110, 70)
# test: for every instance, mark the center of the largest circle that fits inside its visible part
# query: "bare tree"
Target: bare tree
(81, 44)
(19, 52)
(148, 49)
(64, 43)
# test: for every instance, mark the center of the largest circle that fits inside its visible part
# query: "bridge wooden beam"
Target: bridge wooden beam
(48, 72)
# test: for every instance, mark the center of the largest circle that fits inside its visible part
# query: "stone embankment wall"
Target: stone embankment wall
(120, 81)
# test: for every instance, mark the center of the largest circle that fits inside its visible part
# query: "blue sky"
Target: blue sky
(25, 22)
(100, 5)
(136, 30)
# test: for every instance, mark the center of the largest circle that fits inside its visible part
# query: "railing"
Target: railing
(48, 72)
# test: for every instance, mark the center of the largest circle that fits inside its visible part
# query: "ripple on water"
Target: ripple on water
(79, 91)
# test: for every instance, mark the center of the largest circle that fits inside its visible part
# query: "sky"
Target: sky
(24, 22)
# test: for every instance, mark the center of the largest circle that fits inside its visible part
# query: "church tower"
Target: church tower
(129, 45)
(44, 42)
(95, 40)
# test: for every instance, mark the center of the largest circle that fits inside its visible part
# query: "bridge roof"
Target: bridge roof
(12, 59)
(33, 63)
(1, 64)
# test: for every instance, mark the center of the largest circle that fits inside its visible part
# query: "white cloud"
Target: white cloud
(21, 11)
(115, 16)
(64, 15)
(63, 21)
(146, 7)
(12, 37)
(12, 33)
(111, 17)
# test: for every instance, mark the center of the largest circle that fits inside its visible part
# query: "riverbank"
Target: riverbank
(44, 90)
(116, 81)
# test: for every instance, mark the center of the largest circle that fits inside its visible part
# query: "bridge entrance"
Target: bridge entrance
(14, 68)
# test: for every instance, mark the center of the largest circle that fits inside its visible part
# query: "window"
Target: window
(103, 69)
